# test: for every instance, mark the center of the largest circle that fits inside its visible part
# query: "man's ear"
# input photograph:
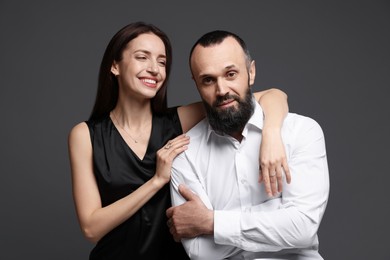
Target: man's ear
(115, 69)
(252, 73)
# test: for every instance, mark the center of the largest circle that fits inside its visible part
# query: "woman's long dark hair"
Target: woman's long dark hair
(108, 88)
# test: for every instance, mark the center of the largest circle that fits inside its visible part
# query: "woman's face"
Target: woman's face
(141, 72)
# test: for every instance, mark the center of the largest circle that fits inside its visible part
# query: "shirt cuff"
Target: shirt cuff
(227, 227)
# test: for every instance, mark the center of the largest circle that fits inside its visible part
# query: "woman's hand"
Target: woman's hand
(273, 161)
(166, 155)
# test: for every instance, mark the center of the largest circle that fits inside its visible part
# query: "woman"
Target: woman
(120, 166)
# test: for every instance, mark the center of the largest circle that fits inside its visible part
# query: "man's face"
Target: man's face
(223, 81)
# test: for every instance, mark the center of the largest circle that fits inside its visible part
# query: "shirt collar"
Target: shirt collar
(256, 120)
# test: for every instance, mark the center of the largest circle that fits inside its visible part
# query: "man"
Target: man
(224, 212)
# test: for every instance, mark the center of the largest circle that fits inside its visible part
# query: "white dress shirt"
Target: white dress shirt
(248, 224)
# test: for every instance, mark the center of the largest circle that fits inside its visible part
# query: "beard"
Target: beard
(230, 120)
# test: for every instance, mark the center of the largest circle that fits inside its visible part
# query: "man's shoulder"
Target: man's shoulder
(200, 129)
(198, 139)
(301, 125)
(299, 118)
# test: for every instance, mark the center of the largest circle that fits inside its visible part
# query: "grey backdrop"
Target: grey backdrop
(332, 58)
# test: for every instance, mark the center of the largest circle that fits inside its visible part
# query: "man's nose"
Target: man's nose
(222, 87)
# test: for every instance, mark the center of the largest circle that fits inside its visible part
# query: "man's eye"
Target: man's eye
(140, 57)
(163, 63)
(231, 74)
(207, 81)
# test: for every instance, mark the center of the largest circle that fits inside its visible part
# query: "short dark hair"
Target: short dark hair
(218, 36)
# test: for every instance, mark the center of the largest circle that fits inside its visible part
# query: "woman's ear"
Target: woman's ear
(114, 69)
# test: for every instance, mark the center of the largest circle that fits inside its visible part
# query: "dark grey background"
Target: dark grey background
(332, 58)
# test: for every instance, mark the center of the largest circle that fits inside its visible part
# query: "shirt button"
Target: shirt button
(243, 181)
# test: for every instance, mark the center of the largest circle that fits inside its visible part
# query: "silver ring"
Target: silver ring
(273, 175)
(169, 145)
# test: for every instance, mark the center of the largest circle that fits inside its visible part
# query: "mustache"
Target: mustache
(220, 100)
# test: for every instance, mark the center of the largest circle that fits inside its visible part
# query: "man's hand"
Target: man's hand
(190, 219)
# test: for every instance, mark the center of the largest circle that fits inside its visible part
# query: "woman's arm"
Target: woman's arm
(272, 153)
(95, 220)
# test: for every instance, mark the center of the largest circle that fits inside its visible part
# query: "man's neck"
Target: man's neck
(237, 135)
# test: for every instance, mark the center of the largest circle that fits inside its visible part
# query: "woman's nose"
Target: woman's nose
(153, 67)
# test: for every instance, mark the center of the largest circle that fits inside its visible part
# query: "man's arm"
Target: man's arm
(295, 221)
(275, 225)
(190, 220)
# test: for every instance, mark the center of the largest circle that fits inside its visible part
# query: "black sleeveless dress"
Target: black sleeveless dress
(119, 171)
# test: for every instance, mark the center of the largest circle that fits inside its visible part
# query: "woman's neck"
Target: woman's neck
(135, 115)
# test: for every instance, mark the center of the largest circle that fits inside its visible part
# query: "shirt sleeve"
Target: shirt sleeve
(201, 247)
(292, 220)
